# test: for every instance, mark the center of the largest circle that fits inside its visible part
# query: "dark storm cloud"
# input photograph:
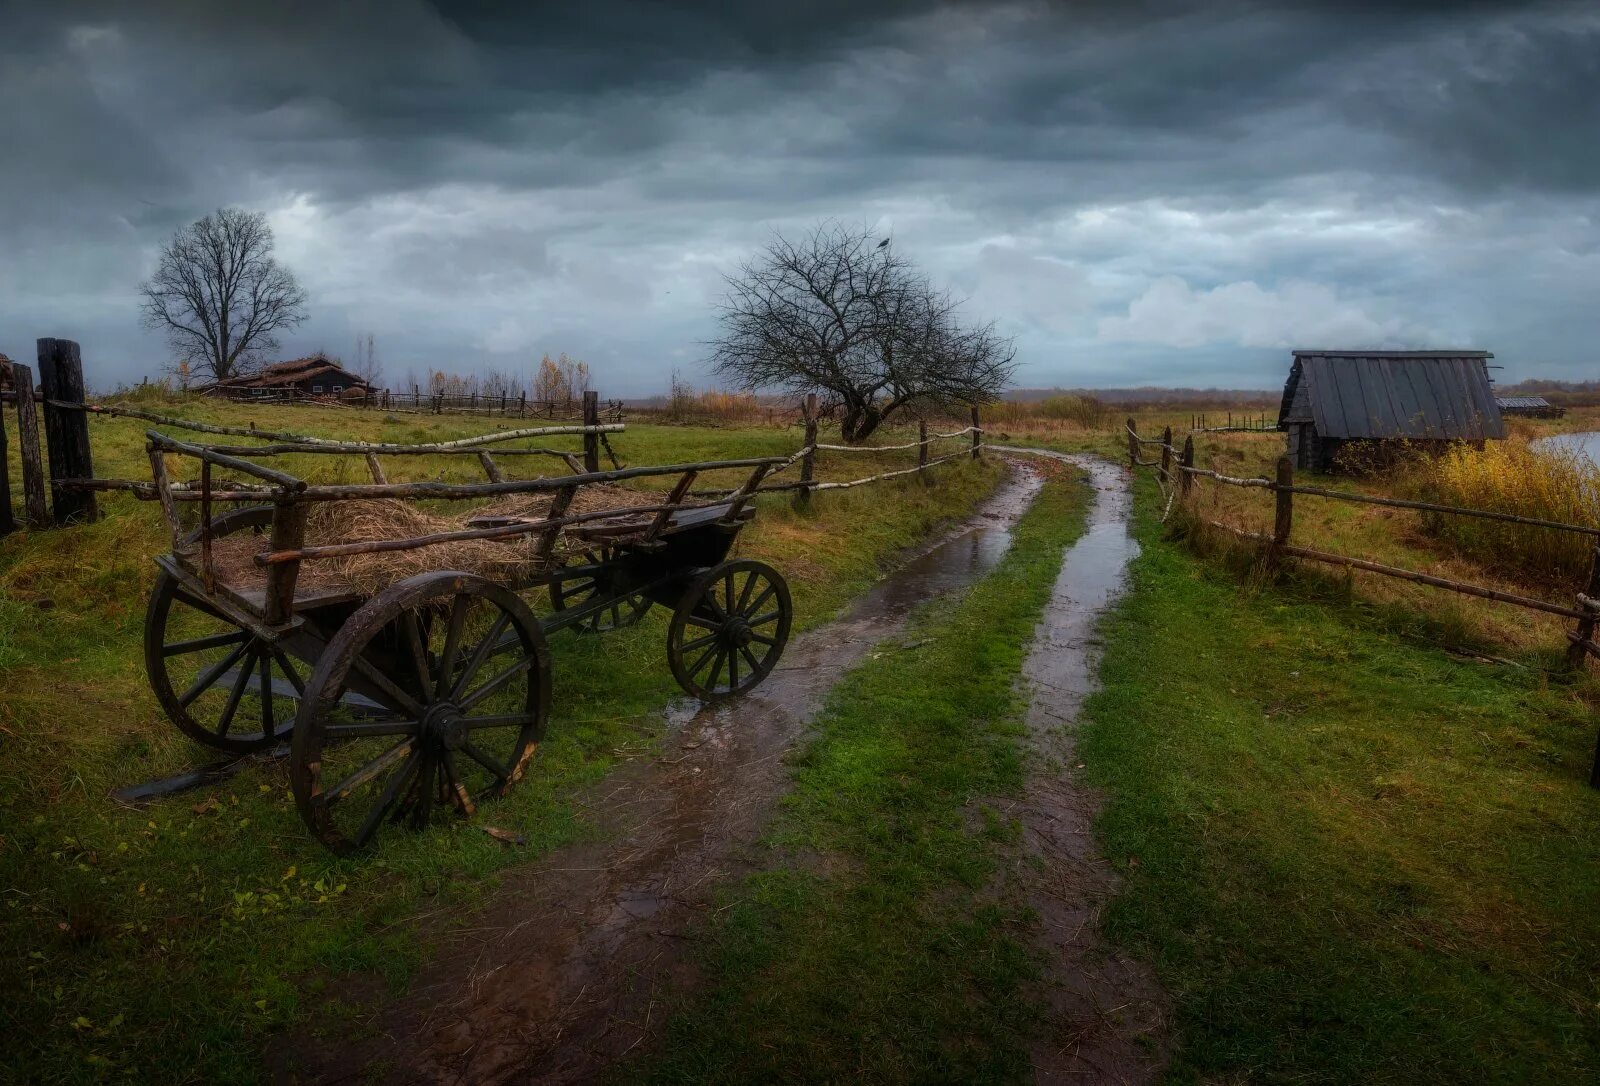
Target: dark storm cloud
(501, 175)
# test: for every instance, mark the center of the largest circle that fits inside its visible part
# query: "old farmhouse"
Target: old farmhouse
(301, 378)
(1336, 397)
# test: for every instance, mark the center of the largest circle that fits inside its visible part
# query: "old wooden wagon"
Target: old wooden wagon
(431, 691)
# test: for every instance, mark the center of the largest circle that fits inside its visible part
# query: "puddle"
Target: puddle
(569, 971)
(1107, 1020)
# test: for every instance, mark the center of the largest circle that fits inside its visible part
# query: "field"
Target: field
(167, 941)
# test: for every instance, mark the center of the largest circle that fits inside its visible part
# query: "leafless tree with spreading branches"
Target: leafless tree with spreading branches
(219, 295)
(842, 312)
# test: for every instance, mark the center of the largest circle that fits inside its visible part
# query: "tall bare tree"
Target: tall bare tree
(842, 312)
(219, 295)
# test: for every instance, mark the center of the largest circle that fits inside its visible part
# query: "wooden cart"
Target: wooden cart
(432, 692)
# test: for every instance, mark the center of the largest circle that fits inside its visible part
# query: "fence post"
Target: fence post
(1166, 455)
(66, 431)
(922, 443)
(977, 433)
(802, 496)
(1132, 431)
(1283, 520)
(1576, 653)
(591, 440)
(36, 514)
(8, 523)
(1187, 461)
(522, 404)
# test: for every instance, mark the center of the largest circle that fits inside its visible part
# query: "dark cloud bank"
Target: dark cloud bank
(1148, 193)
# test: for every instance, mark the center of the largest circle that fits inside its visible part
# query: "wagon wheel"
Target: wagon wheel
(729, 629)
(625, 612)
(461, 674)
(216, 680)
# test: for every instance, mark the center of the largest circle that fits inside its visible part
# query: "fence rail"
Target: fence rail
(1175, 481)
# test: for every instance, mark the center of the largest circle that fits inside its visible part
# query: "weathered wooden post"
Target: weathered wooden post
(1166, 455)
(977, 434)
(1283, 518)
(66, 429)
(922, 443)
(522, 404)
(1187, 461)
(8, 523)
(802, 496)
(1594, 770)
(1577, 653)
(35, 513)
(591, 440)
(1133, 443)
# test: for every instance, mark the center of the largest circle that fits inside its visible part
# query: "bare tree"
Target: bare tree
(367, 366)
(219, 295)
(842, 312)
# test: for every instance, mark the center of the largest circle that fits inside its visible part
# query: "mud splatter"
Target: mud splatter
(571, 969)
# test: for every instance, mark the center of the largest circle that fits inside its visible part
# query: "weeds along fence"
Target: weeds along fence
(1176, 475)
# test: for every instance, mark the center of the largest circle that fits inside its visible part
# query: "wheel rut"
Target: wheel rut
(570, 968)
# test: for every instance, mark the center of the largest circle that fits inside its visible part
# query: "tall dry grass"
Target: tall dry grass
(1525, 480)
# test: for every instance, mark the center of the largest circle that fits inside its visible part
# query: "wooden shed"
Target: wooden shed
(1336, 397)
(316, 377)
(1530, 407)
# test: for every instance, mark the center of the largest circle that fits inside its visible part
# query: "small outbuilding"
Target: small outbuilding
(1529, 407)
(316, 377)
(1335, 397)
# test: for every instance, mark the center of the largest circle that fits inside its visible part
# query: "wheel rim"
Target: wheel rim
(729, 629)
(222, 685)
(624, 612)
(457, 675)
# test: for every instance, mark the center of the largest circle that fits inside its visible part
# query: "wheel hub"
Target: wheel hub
(737, 633)
(444, 728)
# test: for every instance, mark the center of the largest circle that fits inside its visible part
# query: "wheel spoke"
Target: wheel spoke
(419, 652)
(479, 654)
(178, 648)
(705, 623)
(225, 721)
(477, 754)
(452, 645)
(762, 620)
(369, 771)
(211, 675)
(269, 724)
(716, 669)
(733, 670)
(744, 596)
(755, 665)
(495, 683)
(391, 792)
(764, 639)
(398, 699)
(428, 776)
(755, 605)
(694, 668)
(377, 727)
(202, 605)
(690, 646)
(476, 723)
(457, 789)
(287, 667)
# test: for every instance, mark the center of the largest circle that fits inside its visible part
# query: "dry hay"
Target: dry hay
(504, 560)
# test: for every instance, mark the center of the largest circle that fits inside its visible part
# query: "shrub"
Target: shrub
(1511, 477)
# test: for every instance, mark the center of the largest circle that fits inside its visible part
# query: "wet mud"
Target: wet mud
(1107, 1015)
(571, 969)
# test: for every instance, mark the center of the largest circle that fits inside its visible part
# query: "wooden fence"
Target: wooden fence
(1176, 474)
(502, 404)
(57, 402)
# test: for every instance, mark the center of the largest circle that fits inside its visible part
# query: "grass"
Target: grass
(165, 943)
(1351, 857)
(872, 947)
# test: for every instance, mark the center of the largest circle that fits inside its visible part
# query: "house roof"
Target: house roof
(293, 372)
(1394, 394)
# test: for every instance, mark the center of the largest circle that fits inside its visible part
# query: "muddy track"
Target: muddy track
(570, 969)
(1106, 1013)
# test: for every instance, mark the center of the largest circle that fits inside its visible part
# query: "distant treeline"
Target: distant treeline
(1150, 396)
(1558, 392)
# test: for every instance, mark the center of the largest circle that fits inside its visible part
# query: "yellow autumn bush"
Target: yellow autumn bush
(1543, 482)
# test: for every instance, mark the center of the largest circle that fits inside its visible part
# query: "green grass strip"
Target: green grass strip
(873, 947)
(1359, 859)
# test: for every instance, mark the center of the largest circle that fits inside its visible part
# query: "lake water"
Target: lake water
(1585, 444)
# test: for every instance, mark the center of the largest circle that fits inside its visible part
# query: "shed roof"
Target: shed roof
(1523, 403)
(292, 372)
(1394, 394)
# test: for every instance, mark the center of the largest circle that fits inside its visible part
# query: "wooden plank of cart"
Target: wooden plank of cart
(431, 693)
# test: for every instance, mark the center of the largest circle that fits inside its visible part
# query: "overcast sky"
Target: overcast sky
(1141, 194)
